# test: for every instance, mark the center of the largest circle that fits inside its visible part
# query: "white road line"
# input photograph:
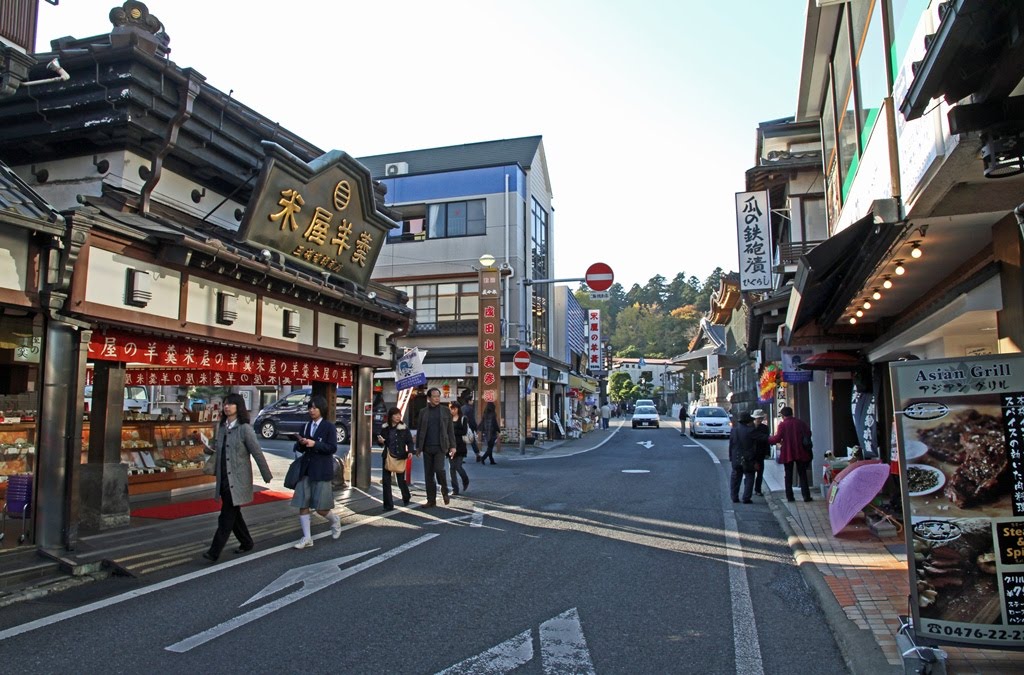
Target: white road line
(707, 450)
(497, 660)
(563, 649)
(557, 455)
(169, 583)
(202, 638)
(746, 646)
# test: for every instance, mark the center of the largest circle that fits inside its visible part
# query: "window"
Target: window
(457, 219)
(413, 229)
(436, 303)
(869, 53)
(846, 123)
(539, 240)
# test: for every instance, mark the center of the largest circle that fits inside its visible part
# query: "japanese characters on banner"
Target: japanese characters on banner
(489, 339)
(166, 360)
(754, 234)
(960, 429)
(594, 361)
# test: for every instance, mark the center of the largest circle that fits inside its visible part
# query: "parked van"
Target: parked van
(136, 398)
(290, 413)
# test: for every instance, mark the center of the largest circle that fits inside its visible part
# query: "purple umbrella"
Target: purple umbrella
(852, 489)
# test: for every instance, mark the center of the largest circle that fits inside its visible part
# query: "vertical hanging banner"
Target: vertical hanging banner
(594, 363)
(754, 235)
(409, 372)
(960, 434)
(489, 339)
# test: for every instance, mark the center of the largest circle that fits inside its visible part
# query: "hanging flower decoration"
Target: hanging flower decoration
(770, 378)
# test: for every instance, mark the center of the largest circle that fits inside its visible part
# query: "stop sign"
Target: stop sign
(599, 277)
(521, 359)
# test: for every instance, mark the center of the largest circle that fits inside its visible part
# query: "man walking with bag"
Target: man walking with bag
(742, 457)
(435, 439)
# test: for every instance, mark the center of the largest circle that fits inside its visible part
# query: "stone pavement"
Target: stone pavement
(860, 581)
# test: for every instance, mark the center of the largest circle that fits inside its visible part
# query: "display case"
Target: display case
(161, 455)
(17, 450)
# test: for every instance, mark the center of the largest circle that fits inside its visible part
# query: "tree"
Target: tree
(620, 386)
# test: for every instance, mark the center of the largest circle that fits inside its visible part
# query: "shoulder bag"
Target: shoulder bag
(291, 478)
(469, 437)
(393, 464)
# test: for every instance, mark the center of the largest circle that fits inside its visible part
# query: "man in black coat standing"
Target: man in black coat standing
(743, 457)
(435, 438)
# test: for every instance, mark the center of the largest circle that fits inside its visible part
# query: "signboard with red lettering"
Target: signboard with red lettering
(489, 340)
(165, 358)
(320, 215)
(594, 363)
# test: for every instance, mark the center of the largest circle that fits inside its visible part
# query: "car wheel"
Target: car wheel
(267, 429)
(634, 425)
(342, 434)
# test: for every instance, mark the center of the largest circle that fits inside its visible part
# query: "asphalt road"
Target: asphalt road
(629, 558)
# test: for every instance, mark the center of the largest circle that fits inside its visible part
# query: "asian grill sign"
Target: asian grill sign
(489, 339)
(754, 234)
(173, 362)
(960, 433)
(595, 361)
(320, 215)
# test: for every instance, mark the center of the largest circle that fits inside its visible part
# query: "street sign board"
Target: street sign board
(599, 277)
(600, 295)
(521, 359)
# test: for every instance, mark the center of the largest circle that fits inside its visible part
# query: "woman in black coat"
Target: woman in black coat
(318, 442)
(456, 459)
(489, 430)
(398, 442)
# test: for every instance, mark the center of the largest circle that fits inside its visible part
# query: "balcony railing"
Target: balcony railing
(789, 252)
(464, 327)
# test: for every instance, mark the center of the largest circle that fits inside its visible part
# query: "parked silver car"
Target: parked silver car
(710, 421)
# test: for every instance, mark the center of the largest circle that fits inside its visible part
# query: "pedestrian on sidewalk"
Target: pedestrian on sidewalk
(234, 442)
(764, 448)
(795, 438)
(397, 441)
(435, 440)
(318, 443)
(458, 457)
(468, 411)
(489, 429)
(742, 453)
(682, 419)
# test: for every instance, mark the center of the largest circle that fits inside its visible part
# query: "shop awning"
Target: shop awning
(831, 273)
(586, 384)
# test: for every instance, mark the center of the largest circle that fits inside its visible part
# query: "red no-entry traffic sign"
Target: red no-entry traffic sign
(599, 277)
(521, 359)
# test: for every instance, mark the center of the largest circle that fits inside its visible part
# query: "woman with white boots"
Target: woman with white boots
(318, 442)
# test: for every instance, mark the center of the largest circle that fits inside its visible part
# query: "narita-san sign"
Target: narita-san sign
(320, 215)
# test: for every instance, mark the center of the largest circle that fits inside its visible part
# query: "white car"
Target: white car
(644, 401)
(710, 421)
(646, 416)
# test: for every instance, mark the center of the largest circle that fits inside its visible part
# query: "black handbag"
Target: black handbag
(292, 477)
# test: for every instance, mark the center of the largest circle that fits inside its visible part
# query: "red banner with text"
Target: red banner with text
(178, 362)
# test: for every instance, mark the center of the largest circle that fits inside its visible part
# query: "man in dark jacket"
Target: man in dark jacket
(435, 438)
(742, 456)
(764, 448)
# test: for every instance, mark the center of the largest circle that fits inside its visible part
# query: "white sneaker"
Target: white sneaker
(305, 542)
(336, 529)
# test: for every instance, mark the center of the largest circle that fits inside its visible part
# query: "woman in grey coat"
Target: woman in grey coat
(233, 444)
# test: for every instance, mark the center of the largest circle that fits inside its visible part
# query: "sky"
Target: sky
(648, 109)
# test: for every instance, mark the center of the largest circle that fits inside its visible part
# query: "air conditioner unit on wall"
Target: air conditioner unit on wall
(396, 168)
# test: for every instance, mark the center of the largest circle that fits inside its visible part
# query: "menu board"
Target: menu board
(960, 424)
